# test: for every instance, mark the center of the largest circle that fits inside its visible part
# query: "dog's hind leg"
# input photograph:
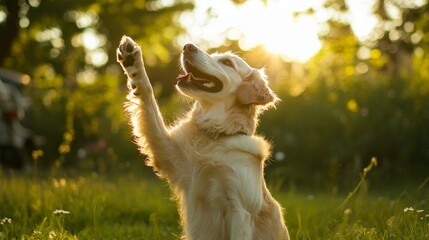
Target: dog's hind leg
(148, 125)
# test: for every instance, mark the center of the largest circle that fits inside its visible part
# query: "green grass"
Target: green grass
(130, 206)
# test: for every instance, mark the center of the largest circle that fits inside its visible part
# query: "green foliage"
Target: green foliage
(77, 91)
(342, 108)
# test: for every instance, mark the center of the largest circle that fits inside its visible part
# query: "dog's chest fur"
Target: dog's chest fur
(221, 174)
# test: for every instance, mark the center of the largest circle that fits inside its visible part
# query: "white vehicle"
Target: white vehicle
(16, 141)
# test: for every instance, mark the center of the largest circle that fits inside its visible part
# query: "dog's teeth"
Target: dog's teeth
(208, 84)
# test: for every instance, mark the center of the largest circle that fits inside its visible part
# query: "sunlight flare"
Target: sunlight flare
(272, 25)
(289, 29)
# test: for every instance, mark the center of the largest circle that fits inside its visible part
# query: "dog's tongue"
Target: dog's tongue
(189, 76)
(183, 76)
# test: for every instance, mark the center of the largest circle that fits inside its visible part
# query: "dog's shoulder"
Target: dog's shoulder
(254, 145)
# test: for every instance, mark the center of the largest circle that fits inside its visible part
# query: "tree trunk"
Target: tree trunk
(9, 31)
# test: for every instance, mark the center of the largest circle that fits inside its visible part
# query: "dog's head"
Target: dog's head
(220, 77)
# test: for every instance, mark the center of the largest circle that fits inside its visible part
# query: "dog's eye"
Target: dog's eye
(227, 62)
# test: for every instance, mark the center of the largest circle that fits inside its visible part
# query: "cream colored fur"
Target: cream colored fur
(211, 158)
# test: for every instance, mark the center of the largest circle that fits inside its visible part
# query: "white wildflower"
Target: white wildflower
(52, 234)
(5, 221)
(61, 212)
(408, 209)
(420, 211)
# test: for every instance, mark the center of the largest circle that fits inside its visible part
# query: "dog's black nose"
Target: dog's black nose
(189, 47)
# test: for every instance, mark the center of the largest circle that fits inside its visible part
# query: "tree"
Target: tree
(68, 48)
(9, 30)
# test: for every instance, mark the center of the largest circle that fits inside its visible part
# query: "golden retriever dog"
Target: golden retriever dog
(211, 158)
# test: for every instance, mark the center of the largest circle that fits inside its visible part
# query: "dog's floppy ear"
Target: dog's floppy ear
(255, 90)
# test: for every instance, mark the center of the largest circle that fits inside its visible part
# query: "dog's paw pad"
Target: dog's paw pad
(133, 88)
(130, 48)
(129, 61)
(127, 52)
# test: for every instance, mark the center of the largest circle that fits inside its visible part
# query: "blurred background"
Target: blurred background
(353, 76)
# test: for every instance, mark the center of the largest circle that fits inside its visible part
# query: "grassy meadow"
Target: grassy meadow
(130, 206)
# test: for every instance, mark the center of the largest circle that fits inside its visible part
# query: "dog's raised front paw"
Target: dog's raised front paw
(129, 56)
(128, 52)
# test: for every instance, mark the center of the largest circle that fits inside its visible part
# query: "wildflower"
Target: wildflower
(61, 212)
(35, 232)
(37, 154)
(374, 161)
(392, 222)
(55, 183)
(59, 183)
(427, 215)
(420, 211)
(408, 209)
(372, 164)
(347, 211)
(52, 234)
(63, 182)
(5, 221)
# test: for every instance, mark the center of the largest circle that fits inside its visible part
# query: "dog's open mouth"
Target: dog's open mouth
(196, 78)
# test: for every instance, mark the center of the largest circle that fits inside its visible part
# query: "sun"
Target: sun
(272, 25)
(275, 27)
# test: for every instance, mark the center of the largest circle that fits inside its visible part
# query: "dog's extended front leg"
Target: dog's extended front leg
(148, 126)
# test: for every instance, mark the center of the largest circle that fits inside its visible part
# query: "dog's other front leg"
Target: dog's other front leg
(241, 225)
(148, 126)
